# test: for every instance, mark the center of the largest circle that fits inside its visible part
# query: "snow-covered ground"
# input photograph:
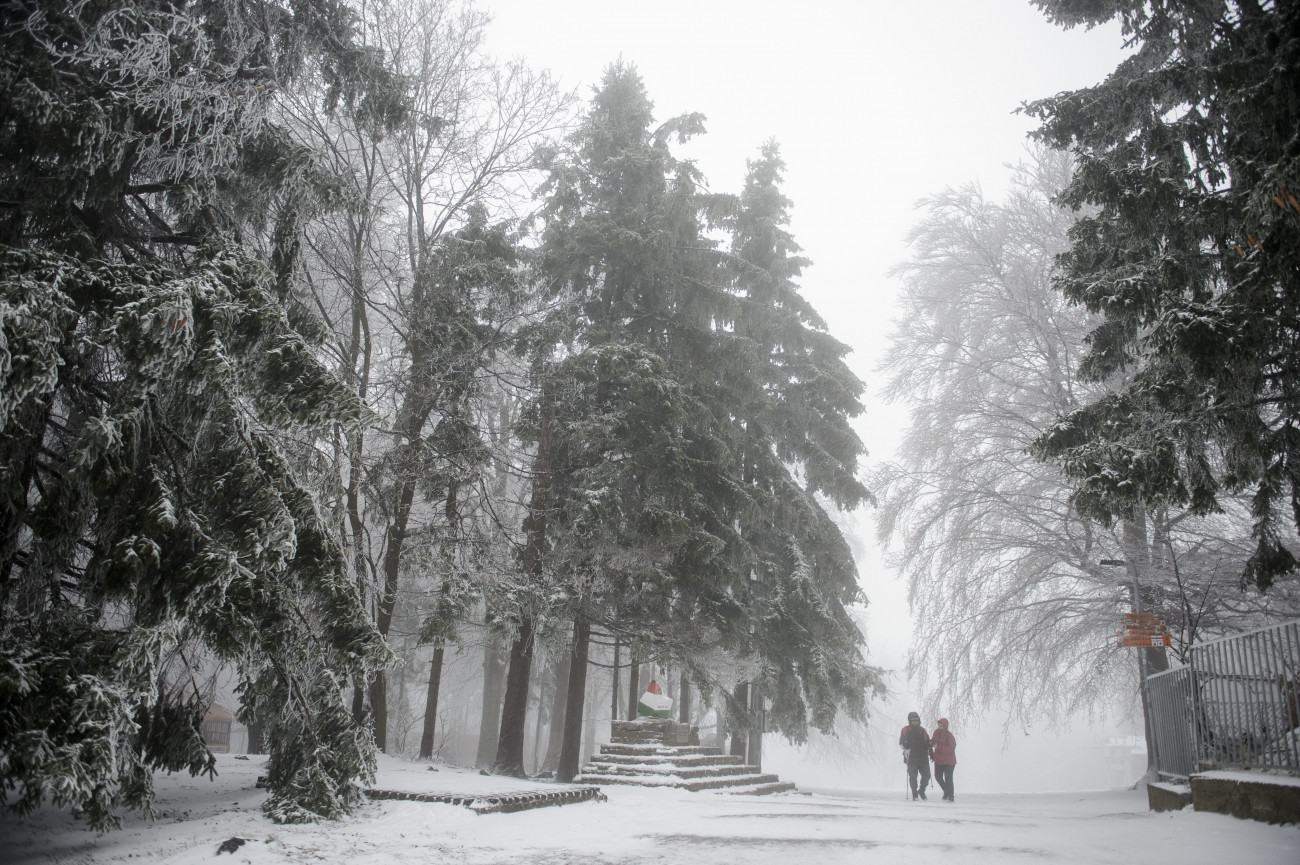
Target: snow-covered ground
(638, 826)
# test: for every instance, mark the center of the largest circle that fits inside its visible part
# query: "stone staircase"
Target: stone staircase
(655, 752)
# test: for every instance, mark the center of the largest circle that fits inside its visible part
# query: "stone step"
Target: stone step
(637, 738)
(691, 760)
(644, 730)
(738, 781)
(764, 789)
(662, 750)
(730, 783)
(641, 726)
(604, 768)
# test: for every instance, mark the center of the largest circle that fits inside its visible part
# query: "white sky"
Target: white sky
(875, 105)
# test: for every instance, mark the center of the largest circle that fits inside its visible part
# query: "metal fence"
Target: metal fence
(1236, 704)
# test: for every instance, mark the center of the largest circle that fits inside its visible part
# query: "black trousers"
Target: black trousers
(943, 776)
(923, 767)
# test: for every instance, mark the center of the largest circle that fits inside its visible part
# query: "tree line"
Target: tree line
(327, 339)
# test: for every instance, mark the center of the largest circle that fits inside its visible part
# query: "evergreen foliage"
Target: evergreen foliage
(790, 398)
(700, 408)
(154, 364)
(1188, 181)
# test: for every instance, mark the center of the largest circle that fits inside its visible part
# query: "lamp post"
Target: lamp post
(1136, 603)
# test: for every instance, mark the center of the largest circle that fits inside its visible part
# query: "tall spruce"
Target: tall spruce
(683, 456)
(789, 397)
(154, 515)
(620, 523)
(1188, 182)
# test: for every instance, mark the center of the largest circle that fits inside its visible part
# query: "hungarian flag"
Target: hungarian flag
(653, 703)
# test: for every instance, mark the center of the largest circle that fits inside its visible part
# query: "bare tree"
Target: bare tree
(417, 340)
(1012, 604)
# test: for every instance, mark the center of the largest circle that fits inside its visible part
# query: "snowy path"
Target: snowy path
(672, 827)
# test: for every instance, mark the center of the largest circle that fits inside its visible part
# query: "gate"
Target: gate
(1236, 704)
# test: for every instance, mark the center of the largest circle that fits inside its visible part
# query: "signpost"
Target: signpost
(1143, 631)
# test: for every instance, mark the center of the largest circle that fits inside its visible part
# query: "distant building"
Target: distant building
(1126, 760)
(216, 729)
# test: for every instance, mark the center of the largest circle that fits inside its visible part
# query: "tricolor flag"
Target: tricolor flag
(653, 703)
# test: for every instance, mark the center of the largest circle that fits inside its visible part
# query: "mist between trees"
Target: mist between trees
(437, 409)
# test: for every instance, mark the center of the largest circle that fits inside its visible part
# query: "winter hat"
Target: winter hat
(911, 715)
(942, 722)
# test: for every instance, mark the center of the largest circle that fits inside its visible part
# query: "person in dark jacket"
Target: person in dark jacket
(915, 742)
(943, 745)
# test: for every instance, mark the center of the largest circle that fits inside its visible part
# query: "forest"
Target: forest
(429, 409)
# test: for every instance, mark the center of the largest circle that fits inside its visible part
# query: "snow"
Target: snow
(643, 825)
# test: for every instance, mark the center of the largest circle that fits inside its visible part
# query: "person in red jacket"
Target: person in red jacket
(944, 745)
(915, 742)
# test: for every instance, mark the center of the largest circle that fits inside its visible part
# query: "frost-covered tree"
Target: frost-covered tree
(158, 384)
(617, 522)
(1012, 605)
(1188, 247)
(688, 416)
(416, 339)
(788, 398)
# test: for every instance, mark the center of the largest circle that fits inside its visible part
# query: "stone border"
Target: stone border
(1247, 799)
(1166, 796)
(497, 803)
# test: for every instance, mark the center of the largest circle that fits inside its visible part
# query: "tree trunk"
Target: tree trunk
(613, 699)
(489, 728)
(510, 749)
(358, 704)
(431, 703)
(740, 725)
(257, 735)
(559, 699)
(633, 687)
(1136, 556)
(533, 760)
(379, 708)
(571, 752)
(388, 601)
(755, 743)
(359, 351)
(514, 709)
(684, 699)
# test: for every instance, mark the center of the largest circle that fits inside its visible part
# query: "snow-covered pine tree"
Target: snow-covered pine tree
(619, 525)
(1190, 250)
(779, 380)
(154, 361)
(655, 521)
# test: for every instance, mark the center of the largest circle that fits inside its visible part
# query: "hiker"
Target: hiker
(943, 745)
(916, 754)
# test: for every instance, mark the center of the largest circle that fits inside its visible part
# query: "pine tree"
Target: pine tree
(1188, 184)
(157, 370)
(618, 524)
(789, 398)
(670, 443)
